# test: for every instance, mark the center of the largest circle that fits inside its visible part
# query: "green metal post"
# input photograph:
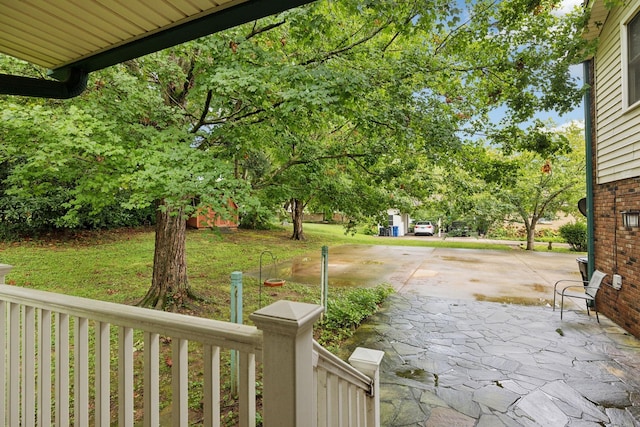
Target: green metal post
(236, 317)
(589, 167)
(324, 279)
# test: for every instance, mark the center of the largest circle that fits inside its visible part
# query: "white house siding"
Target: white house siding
(618, 131)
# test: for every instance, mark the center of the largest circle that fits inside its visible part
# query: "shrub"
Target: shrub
(36, 216)
(370, 230)
(508, 232)
(548, 235)
(256, 216)
(575, 234)
(29, 216)
(346, 312)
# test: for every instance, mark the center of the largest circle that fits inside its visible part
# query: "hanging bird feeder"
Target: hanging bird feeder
(269, 283)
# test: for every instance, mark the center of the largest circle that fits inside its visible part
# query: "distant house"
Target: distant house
(614, 135)
(207, 218)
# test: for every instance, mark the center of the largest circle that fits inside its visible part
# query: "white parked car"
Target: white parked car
(424, 228)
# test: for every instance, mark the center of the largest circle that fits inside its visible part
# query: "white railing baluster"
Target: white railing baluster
(4, 408)
(247, 390)
(4, 413)
(357, 393)
(334, 400)
(180, 382)
(62, 370)
(353, 406)
(102, 352)
(362, 408)
(22, 382)
(348, 405)
(13, 364)
(357, 408)
(125, 377)
(28, 366)
(81, 372)
(211, 392)
(322, 409)
(151, 379)
(343, 410)
(44, 368)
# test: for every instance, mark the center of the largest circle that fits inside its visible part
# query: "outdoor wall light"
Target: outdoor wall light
(630, 219)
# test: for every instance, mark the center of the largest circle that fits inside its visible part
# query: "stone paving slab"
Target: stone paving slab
(451, 362)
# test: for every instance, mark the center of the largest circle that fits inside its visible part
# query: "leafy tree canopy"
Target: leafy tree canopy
(340, 103)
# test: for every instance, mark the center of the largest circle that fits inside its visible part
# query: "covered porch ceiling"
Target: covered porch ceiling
(74, 38)
(599, 12)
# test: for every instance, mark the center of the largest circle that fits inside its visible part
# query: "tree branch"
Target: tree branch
(295, 162)
(255, 30)
(555, 194)
(205, 111)
(235, 117)
(397, 34)
(339, 51)
(459, 27)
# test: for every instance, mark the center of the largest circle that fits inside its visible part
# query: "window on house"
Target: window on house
(633, 60)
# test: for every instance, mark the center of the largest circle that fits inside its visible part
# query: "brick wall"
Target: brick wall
(617, 250)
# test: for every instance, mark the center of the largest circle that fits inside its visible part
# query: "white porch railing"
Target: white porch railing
(58, 348)
(345, 396)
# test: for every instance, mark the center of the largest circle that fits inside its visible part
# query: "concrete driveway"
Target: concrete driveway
(489, 275)
(502, 276)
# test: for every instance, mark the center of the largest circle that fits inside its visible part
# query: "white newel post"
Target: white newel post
(368, 362)
(287, 357)
(4, 270)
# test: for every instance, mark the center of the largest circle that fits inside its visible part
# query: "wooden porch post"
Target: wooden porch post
(4, 270)
(368, 362)
(287, 357)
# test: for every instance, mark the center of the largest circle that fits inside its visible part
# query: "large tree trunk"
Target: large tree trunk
(170, 285)
(297, 209)
(531, 233)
